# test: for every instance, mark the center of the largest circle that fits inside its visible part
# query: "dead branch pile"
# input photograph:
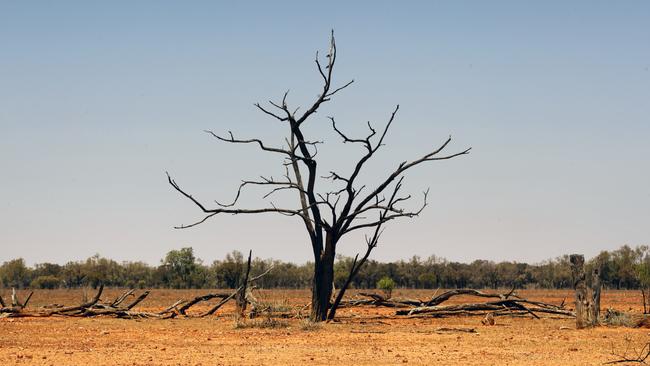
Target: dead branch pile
(508, 304)
(121, 308)
(93, 307)
(118, 308)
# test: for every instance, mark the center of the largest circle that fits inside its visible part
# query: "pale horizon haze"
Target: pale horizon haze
(99, 99)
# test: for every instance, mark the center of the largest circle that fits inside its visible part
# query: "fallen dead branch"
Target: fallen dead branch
(122, 297)
(457, 330)
(436, 300)
(368, 331)
(182, 310)
(379, 300)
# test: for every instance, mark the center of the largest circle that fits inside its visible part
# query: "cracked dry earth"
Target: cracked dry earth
(363, 336)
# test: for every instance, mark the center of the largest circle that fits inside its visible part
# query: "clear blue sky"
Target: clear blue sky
(99, 99)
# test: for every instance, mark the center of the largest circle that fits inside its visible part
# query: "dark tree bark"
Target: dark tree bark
(596, 286)
(331, 213)
(240, 297)
(579, 284)
(587, 299)
(322, 286)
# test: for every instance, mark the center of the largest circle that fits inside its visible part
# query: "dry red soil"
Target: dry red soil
(363, 336)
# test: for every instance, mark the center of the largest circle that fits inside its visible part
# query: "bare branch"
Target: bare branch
(371, 244)
(259, 142)
(265, 181)
(432, 156)
(339, 89)
(396, 213)
(215, 211)
(365, 141)
(327, 81)
(283, 119)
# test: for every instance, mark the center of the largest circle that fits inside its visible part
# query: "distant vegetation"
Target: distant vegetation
(624, 268)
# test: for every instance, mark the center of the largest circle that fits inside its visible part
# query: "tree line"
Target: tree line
(623, 268)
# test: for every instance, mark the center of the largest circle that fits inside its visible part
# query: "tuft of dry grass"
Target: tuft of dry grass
(263, 323)
(277, 306)
(310, 326)
(620, 319)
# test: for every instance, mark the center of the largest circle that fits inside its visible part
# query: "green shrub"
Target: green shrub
(46, 282)
(387, 285)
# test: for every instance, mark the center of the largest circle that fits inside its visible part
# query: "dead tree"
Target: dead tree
(596, 286)
(240, 298)
(587, 301)
(327, 214)
(580, 287)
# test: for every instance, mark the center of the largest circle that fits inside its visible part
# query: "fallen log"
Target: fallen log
(137, 300)
(220, 304)
(125, 314)
(437, 300)
(459, 330)
(199, 299)
(171, 308)
(10, 309)
(379, 300)
(82, 307)
(487, 306)
(24, 304)
(122, 297)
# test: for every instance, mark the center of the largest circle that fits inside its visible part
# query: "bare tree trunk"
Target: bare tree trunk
(645, 308)
(595, 287)
(580, 286)
(322, 286)
(240, 298)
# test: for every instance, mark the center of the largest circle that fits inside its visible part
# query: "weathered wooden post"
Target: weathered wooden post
(580, 286)
(595, 303)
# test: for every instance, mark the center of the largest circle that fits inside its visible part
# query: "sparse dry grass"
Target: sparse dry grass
(310, 326)
(261, 323)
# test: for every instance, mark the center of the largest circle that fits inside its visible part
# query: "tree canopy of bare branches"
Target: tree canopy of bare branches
(326, 216)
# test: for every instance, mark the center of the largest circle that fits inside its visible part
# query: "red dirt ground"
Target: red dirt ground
(363, 336)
